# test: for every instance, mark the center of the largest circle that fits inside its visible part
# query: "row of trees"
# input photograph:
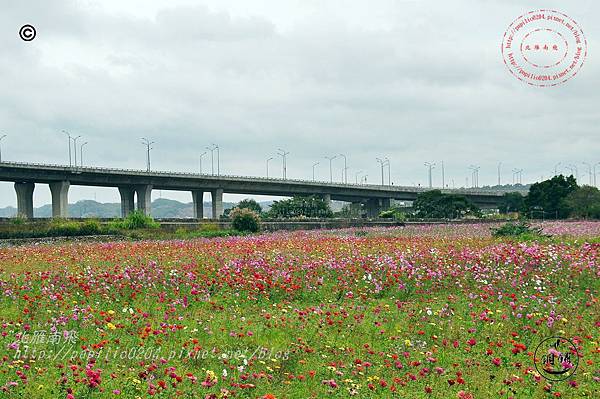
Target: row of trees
(559, 197)
(312, 207)
(556, 198)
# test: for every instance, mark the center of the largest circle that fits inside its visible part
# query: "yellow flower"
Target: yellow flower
(111, 312)
(111, 326)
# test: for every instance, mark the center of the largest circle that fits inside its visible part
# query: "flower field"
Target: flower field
(415, 312)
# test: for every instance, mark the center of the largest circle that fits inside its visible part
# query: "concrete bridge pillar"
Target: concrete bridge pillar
(373, 207)
(198, 200)
(127, 200)
(385, 204)
(25, 199)
(217, 203)
(355, 209)
(144, 198)
(60, 198)
(327, 199)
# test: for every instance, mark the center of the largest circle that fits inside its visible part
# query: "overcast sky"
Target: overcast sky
(414, 81)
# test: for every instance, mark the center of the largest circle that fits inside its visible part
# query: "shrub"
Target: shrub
(90, 227)
(245, 220)
(18, 220)
(63, 228)
(521, 230)
(393, 214)
(135, 220)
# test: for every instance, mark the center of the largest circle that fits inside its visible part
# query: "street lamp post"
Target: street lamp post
(387, 162)
(576, 169)
(499, 173)
(345, 168)
(216, 147)
(556, 168)
(75, 148)
(356, 176)
(382, 163)
(69, 138)
(268, 160)
(475, 175)
(212, 159)
(313, 169)
(2, 138)
(81, 153)
(146, 142)
(331, 167)
(430, 166)
(589, 170)
(201, 155)
(283, 154)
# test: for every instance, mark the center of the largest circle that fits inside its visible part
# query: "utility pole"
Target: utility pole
(283, 154)
(268, 159)
(430, 166)
(313, 170)
(556, 168)
(331, 167)
(148, 144)
(595, 185)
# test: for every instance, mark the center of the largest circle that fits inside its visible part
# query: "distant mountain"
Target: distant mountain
(161, 208)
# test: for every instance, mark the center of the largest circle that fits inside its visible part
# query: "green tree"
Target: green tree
(435, 204)
(512, 202)
(298, 206)
(584, 202)
(247, 203)
(548, 196)
(244, 219)
(251, 204)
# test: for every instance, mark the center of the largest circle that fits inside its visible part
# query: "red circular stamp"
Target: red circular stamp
(544, 48)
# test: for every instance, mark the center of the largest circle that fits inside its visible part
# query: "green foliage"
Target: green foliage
(584, 202)
(435, 204)
(203, 232)
(245, 220)
(549, 197)
(18, 220)
(393, 213)
(517, 230)
(247, 203)
(68, 228)
(313, 207)
(512, 202)
(135, 220)
(250, 204)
